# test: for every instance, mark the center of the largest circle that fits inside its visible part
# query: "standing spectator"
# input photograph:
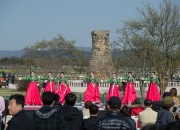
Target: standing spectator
(48, 117)
(72, 115)
(126, 112)
(85, 111)
(148, 116)
(88, 124)
(1, 75)
(165, 116)
(2, 107)
(178, 78)
(113, 120)
(20, 120)
(4, 75)
(13, 79)
(9, 78)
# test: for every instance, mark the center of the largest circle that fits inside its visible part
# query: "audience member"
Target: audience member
(57, 103)
(126, 112)
(20, 120)
(165, 116)
(113, 119)
(157, 104)
(165, 94)
(85, 111)
(5, 116)
(2, 107)
(173, 92)
(148, 116)
(48, 117)
(72, 115)
(136, 107)
(88, 124)
(151, 127)
(173, 126)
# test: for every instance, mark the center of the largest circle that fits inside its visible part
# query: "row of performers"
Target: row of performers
(92, 92)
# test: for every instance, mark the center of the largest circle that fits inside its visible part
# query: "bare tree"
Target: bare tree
(152, 40)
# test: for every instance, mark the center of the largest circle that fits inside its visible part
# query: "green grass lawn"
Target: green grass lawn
(6, 93)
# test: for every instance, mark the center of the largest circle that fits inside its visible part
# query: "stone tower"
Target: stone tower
(101, 61)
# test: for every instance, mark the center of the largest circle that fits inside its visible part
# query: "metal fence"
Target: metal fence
(80, 83)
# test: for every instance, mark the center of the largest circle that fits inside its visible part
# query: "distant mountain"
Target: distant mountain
(87, 49)
(13, 53)
(20, 53)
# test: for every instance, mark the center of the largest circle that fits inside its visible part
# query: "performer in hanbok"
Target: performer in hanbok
(50, 83)
(32, 94)
(130, 92)
(63, 88)
(114, 87)
(153, 92)
(57, 79)
(92, 92)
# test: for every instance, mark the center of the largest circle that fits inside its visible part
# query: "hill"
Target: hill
(13, 53)
(20, 53)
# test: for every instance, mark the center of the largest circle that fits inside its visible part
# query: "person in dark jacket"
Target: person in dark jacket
(165, 115)
(173, 126)
(113, 120)
(20, 120)
(57, 103)
(13, 79)
(126, 112)
(48, 117)
(71, 114)
(88, 124)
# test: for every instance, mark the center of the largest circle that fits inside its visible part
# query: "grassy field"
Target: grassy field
(8, 92)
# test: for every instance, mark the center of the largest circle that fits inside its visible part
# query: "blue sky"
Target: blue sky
(25, 22)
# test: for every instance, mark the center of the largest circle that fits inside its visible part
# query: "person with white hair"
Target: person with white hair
(2, 107)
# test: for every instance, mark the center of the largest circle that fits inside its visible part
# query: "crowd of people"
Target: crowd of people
(54, 116)
(9, 78)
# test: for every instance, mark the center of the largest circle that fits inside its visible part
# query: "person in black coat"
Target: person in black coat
(113, 120)
(20, 120)
(88, 124)
(13, 79)
(71, 114)
(126, 112)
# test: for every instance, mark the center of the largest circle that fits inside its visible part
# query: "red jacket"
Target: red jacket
(135, 110)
